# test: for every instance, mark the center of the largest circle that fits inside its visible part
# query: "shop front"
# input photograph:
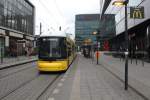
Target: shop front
(29, 45)
(15, 47)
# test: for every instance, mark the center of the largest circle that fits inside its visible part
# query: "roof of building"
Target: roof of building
(53, 34)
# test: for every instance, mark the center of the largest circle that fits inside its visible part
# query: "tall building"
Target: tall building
(133, 23)
(87, 24)
(138, 25)
(108, 8)
(16, 26)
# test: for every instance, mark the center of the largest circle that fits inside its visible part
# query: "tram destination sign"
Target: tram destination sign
(137, 12)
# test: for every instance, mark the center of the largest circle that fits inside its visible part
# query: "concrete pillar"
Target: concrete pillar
(6, 41)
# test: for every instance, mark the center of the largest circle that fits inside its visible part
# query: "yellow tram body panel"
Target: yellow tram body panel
(52, 65)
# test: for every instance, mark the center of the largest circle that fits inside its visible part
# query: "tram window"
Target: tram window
(63, 48)
(50, 47)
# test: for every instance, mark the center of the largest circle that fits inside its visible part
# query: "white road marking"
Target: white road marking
(51, 99)
(60, 84)
(62, 79)
(56, 91)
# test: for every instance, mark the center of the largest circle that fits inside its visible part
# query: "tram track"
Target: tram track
(10, 92)
(13, 70)
(16, 80)
(11, 74)
(48, 86)
(27, 84)
(39, 85)
(22, 77)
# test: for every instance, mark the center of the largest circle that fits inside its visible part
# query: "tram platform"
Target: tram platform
(85, 80)
(138, 72)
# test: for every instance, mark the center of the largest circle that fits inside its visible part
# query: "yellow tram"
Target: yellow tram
(56, 53)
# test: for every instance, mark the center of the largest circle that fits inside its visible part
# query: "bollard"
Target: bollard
(143, 62)
(120, 56)
(1, 55)
(97, 56)
(131, 57)
(143, 59)
(136, 59)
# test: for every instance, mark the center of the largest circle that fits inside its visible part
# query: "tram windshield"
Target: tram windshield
(51, 48)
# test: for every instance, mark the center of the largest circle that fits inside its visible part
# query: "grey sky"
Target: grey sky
(55, 13)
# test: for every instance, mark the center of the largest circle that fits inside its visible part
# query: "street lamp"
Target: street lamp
(97, 38)
(94, 33)
(125, 3)
(119, 3)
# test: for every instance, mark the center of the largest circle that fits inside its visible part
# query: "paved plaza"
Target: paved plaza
(89, 81)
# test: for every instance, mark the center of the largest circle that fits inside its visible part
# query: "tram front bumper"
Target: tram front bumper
(52, 66)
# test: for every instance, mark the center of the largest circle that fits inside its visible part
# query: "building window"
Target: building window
(134, 2)
(17, 15)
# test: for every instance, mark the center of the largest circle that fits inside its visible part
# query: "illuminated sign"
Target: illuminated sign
(137, 12)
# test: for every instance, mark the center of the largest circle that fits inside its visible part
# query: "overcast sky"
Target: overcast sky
(55, 13)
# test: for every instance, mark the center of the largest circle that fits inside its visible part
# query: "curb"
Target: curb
(5, 66)
(118, 77)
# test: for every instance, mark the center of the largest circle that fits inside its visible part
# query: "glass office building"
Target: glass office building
(17, 15)
(86, 24)
(16, 23)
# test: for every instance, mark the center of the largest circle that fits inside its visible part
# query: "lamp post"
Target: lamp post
(125, 3)
(97, 43)
(126, 38)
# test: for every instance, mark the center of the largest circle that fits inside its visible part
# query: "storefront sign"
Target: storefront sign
(137, 12)
(16, 35)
